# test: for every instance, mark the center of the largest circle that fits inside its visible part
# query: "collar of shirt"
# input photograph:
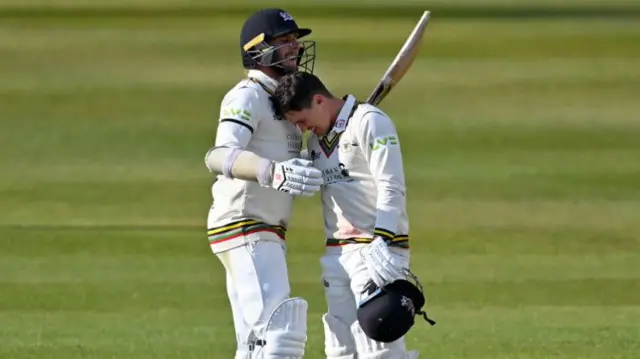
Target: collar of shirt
(266, 82)
(343, 117)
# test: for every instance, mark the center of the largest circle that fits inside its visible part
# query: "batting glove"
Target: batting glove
(382, 265)
(295, 176)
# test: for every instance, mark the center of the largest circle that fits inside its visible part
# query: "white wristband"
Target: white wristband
(265, 170)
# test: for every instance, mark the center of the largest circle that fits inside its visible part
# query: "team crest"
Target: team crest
(347, 146)
(408, 303)
(286, 16)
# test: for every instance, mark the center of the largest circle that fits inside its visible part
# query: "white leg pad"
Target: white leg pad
(338, 340)
(285, 334)
(371, 349)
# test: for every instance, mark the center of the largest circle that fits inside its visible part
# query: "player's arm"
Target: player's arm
(381, 147)
(239, 118)
(379, 141)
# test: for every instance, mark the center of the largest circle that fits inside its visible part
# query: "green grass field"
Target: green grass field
(521, 137)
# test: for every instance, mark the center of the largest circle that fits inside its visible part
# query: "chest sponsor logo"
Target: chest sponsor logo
(336, 174)
(294, 142)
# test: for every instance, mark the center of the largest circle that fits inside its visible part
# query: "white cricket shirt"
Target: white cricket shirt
(364, 191)
(242, 207)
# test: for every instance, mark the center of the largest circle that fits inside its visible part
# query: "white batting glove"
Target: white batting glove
(295, 176)
(383, 267)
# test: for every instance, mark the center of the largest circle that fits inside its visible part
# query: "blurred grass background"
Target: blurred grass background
(520, 125)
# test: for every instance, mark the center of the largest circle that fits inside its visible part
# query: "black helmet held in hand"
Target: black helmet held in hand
(268, 34)
(386, 314)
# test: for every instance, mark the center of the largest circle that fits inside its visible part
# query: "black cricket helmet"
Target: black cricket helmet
(256, 45)
(386, 314)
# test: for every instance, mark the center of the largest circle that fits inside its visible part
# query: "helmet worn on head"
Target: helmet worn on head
(386, 314)
(257, 35)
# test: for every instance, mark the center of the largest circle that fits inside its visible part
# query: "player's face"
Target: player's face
(316, 118)
(288, 49)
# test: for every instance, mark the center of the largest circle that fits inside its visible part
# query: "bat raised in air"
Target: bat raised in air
(401, 63)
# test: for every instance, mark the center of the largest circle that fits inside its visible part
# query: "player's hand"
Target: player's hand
(297, 177)
(382, 265)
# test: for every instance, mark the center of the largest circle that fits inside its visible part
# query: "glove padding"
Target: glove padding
(297, 177)
(382, 265)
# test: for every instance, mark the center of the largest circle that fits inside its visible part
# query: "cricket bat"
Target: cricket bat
(401, 63)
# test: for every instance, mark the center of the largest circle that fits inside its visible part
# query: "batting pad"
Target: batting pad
(286, 331)
(371, 349)
(338, 340)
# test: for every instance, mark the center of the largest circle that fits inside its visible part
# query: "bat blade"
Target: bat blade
(401, 63)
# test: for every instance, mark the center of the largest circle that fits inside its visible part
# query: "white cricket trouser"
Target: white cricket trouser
(257, 282)
(344, 274)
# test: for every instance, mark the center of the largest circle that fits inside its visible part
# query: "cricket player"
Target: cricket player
(257, 161)
(357, 148)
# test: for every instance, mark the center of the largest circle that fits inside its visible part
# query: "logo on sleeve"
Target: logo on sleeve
(237, 114)
(383, 141)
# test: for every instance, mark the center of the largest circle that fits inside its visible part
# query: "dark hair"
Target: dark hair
(295, 92)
